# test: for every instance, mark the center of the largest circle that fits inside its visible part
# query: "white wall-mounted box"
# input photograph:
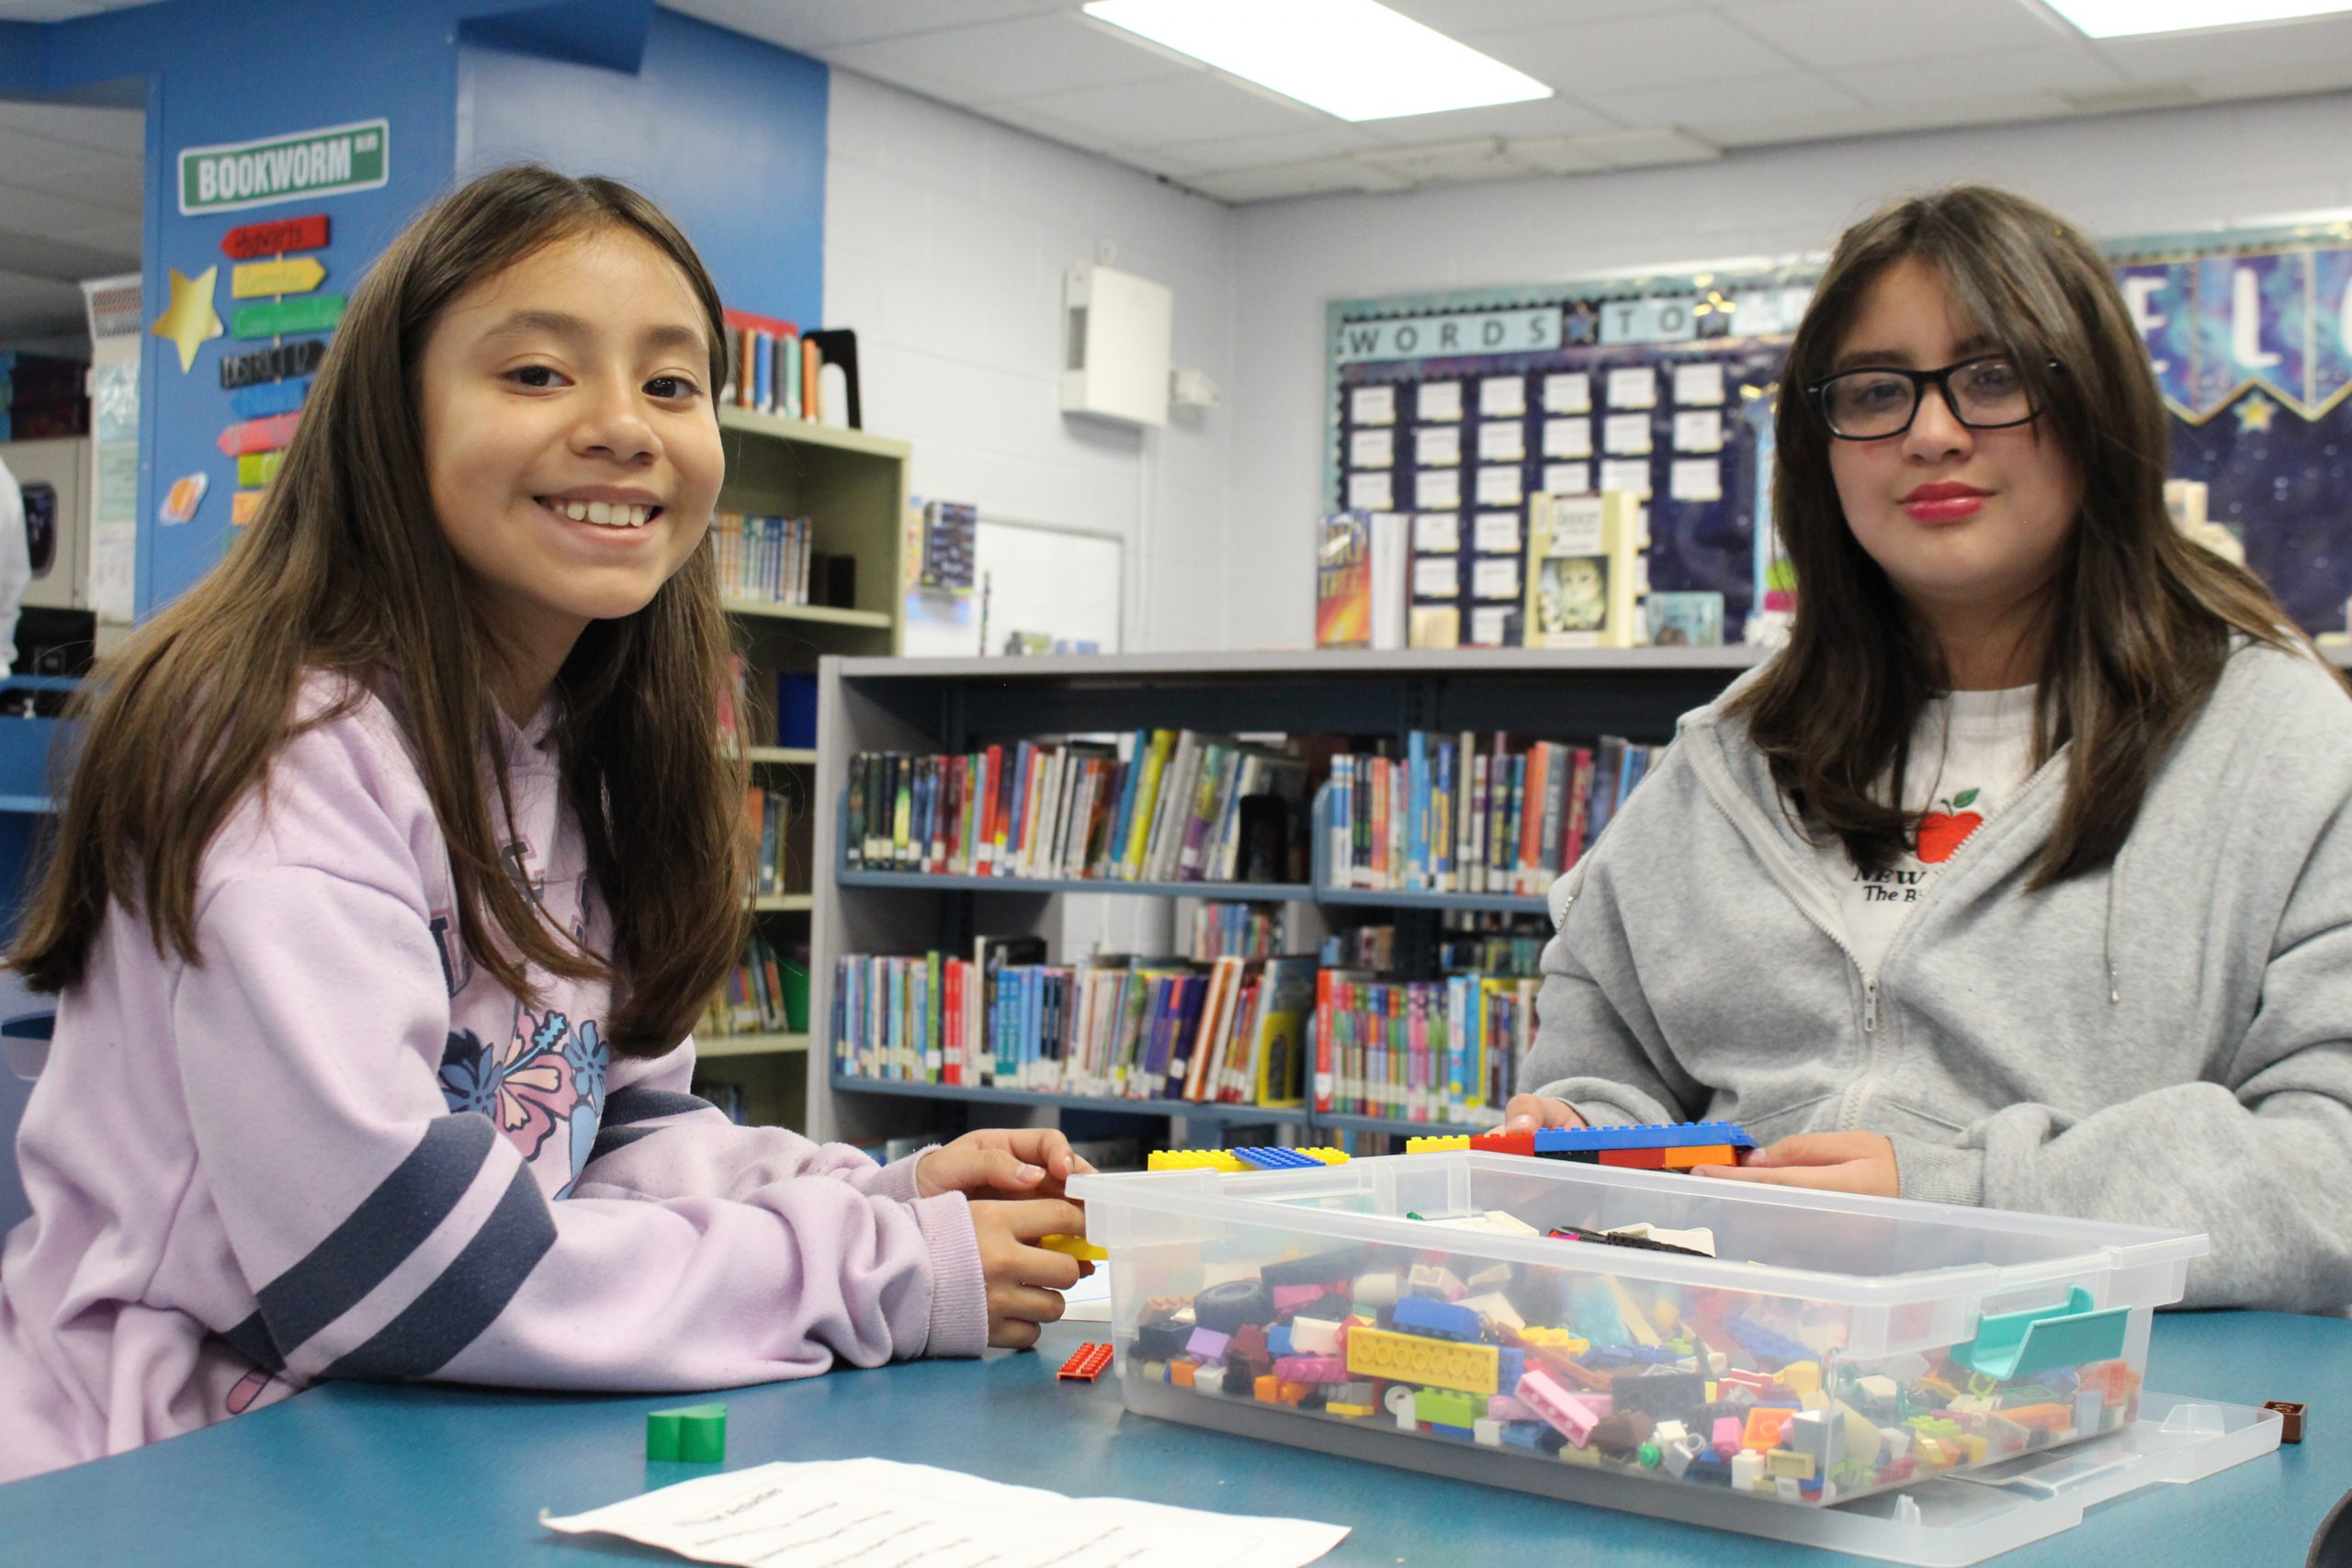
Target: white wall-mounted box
(1116, 329)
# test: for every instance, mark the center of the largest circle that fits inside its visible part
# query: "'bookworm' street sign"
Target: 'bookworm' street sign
(331, 161)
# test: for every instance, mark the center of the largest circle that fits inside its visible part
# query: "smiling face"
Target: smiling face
(570, 446)
(1967, 523)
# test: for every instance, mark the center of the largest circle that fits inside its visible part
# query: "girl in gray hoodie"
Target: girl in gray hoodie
(2022, 876)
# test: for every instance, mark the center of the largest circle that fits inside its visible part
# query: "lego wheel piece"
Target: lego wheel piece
(2291, 1417)
(693, 1433)
(1086, 1363)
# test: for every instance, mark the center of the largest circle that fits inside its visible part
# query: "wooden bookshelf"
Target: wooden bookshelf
(955, 705)
(851, 485)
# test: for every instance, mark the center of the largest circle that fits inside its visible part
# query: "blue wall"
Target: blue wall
(727, 133)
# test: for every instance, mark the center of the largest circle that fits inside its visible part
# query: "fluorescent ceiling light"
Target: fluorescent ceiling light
(2131, 18)
(1354, 59)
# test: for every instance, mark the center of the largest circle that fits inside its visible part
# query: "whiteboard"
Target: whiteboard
(1066, 583)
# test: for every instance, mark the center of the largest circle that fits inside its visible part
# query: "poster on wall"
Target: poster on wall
(1663, 386)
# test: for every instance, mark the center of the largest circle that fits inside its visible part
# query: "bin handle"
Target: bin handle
(2012, 1344)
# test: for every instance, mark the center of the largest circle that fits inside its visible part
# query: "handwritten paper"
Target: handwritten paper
(1502, 441)
(1568, 392)
(1437, 533)
(1625, 435)
(1502, 397)
(1437, 490)
(1369, 493)
(1567, 479)
(1498, 486)
(1496, 578)
(1488, 622)
(1436, 577)
(1700, 430)
(1634, 388)
(1373, 405)
(1437, 445)
(1568, 438)
(1438, 401)
(1495, 532)
(1695, 478)
(1629, 474)
(1698, 384)
(875, 1510)
(1372, 449)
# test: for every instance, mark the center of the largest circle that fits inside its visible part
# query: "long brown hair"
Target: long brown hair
(2141, 617)
(346, 570)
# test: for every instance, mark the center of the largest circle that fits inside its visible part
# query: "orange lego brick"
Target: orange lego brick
(1635, 1159)
(1267, 1389)
(1180, 1374)
(1086, 1362)
(1712, 1153)
(1764, 1426)
(2045, 1417)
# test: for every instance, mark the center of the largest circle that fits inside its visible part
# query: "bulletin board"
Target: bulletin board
(2250, 332)
(1065, 584)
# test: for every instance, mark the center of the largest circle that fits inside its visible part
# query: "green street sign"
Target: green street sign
(303, 167)
(305, 313)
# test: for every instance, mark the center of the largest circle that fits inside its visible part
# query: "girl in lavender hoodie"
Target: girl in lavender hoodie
(396, 862)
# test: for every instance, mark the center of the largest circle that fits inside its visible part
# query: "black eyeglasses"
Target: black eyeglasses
(1987, 393)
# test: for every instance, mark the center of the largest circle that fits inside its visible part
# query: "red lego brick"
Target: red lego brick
(2291, 1415)
(1506, 1142)
(1635, 1159)
(1086, 1363)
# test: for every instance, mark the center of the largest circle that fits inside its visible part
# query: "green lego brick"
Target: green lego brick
(695, 1433)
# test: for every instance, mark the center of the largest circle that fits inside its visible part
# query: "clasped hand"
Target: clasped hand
(1014, 1178)
(1827, 1162)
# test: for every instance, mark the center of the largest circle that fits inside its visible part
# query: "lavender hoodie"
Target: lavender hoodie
(332, 1150)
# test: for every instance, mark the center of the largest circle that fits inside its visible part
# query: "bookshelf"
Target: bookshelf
(853, 486)
(953, 705)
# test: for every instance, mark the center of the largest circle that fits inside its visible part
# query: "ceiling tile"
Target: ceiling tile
(1024, 58)
(1824, 33)
(1539, 116)
(1336, 139)
(817, 25)
(120, 131)
(1988, 78)
(2188, 56)
(1177, 110)
(1459, 18)
(1721, 111)
(1629, 53)
(1316, 177)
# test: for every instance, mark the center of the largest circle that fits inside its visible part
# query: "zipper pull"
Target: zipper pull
(1870, 1006)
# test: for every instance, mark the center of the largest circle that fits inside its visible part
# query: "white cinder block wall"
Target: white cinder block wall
(946, 237)
(2146, 174)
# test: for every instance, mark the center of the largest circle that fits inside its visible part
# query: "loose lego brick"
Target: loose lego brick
(1278, 1343)
(1877, 1392)
(1326, 1156)
(1207, 1344)
(1161, 1341)
(1444, 1406)
(2290, 1418)
(1313, 1337)
(1311, 1368)
(1228, 1306)
(1763, 1427)
(1436, 1280)
(1808, 1433)
(1494, 1308)
(1436, 1144)
(1706, 1154)
(1193, 1159)
(1505, 1143)
(1273, 1159)
(1486, 1432)
(1801, 1377)
(1747, 1470)
(1086, 1363)
(1180, 1374)
(1288, 1393)
(1660, 1394)
(1571, 1415)
(1413, 1358)
(1248, 1344)
(1621, 1432)
(1349, 1409)
(1678, 1454)
(1447, 1320)
(2046, 1417)
(1630, 1312)
(1076, 1246)
(1791, 1463)
(1264, 1388)
(1765, 1343)
(693, 1433)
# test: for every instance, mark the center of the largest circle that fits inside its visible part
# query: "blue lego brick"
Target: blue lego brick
(1603, 1356)
(1278, 1341)
(1420, 1314)
(1665, 1135)
(1273, 1159)
(1459, 1434)
(1513, 1367)
(1522, 1434)
(1765, 1345)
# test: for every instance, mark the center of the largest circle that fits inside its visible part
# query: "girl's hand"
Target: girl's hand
(1023, 1279)
(1831, 1162)
(1003, 1162)
(1527, 1112)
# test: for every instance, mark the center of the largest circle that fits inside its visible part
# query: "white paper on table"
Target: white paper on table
(1372, 449)
(1495, 578)
(1438, 400)
(1630, 474)
(864, 1510)
(1495, 532)
(1634, 388)
(1502, 397)
(1700, 430)
(1373, 405)
(1695, 478)
(1437, 577)
(1570, 391)
(1437, 533)
(1369, 493)
(1568, 438)
(1567, 479)
(1498, 486)
(1437, 445)
(1695, 384)
(1437, 490)
(1625, 435)
(1502, 441)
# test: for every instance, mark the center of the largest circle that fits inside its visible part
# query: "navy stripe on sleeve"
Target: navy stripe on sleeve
(450, 1313)
(389, 1224)
(615, 1138)
(635, 1104)
(251, 1339)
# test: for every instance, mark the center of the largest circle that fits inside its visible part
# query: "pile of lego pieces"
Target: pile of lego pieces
(1696, 1386)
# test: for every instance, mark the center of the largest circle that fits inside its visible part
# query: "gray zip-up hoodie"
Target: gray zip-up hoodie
(2168, 1042)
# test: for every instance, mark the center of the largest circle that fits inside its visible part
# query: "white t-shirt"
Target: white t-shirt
(1969, 753)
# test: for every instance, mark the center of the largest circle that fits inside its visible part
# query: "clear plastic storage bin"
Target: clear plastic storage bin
(1832, 1347)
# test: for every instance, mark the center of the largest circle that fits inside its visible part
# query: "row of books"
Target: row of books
(1232, 1031)
(1449, 816)
(1488, 943)
(1446, 1050)
(779, 828)
(1235, 930)
(1157, 806)
(768, 994)
(762, 559)
(773, 368)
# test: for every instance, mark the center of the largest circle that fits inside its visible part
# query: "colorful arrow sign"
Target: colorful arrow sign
(259, 434)
(305, 233)
(276, 363)
(245, 505)
(269, 397)
(316, 314)
(259, 468)
(259, 280)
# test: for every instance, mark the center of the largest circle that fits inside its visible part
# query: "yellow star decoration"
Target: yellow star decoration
(191, 320)
(2255, 413)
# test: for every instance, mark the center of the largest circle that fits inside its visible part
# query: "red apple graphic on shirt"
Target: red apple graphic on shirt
(1941, 832)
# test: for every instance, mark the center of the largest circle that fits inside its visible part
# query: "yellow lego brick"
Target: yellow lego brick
(1413, 1358)
(1975, 1447)
(1789, 1462)
(1194, 1159)
(1436, 1144)
(1326, 1157)
(1353, 1412)
(1637, 1322)
(1560, 1340)
(1802, 1377)
(1075, 1247)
